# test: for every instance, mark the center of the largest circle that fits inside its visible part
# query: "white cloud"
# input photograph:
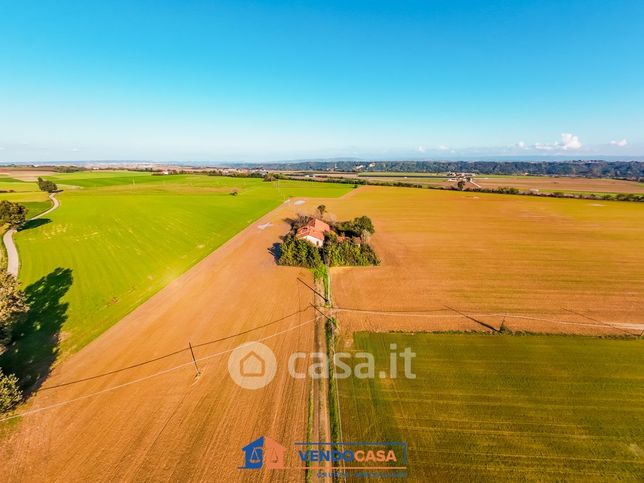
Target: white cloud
(621, 143)
(421, 149)
(521, 145)
(570, 141)
(442, 147)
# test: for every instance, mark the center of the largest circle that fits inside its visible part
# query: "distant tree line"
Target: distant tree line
(631, 170)
(69, 169)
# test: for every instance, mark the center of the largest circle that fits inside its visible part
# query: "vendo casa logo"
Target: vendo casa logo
(266, 453)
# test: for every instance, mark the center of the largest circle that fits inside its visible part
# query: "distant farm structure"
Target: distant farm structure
(461, 179)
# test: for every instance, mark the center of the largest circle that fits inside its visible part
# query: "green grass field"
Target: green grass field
(118, 238)
(26, 193)
(488, 408)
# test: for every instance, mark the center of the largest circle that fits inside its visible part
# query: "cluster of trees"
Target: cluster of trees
(46, 185)
(356, 227)
(13, 308)
(12, 214)
(299, 253)
(347, 245)
(232, 174)
(337, 253)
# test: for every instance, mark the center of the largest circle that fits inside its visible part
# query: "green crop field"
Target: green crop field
(488, 408)
(24, 192)
(117, 239)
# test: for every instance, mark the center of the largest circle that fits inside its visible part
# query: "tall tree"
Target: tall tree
(12, 304)
(13, 214)
(321, 210)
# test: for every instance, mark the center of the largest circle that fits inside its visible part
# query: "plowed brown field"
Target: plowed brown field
(174, 426)
(461, 261)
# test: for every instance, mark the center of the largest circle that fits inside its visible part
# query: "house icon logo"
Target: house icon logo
(252, 365)
(264, 452)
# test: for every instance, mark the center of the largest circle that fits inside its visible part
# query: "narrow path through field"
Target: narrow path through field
(13, 261)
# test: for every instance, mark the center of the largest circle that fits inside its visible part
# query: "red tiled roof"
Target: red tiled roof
(318, 225)
(310, 231)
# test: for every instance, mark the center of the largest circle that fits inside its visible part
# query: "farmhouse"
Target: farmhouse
(313, 232)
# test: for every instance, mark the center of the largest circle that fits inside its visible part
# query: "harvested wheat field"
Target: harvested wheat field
(132, 407)
(472, 261)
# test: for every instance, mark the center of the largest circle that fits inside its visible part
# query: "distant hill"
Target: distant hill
(591, 169)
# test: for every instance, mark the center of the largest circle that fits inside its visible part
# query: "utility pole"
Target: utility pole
(194, 360)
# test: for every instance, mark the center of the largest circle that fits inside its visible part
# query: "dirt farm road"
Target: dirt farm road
(13, 260)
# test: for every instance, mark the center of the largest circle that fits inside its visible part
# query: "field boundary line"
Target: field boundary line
(484, 324)
(595, 320)
(417, 313)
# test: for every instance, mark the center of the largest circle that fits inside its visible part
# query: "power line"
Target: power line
(142, 379)
(170, 354)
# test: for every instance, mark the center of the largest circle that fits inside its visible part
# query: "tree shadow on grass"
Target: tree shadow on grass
(36, 338)
(29, 224)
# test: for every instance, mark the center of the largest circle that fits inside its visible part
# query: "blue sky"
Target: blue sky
(258, 81)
